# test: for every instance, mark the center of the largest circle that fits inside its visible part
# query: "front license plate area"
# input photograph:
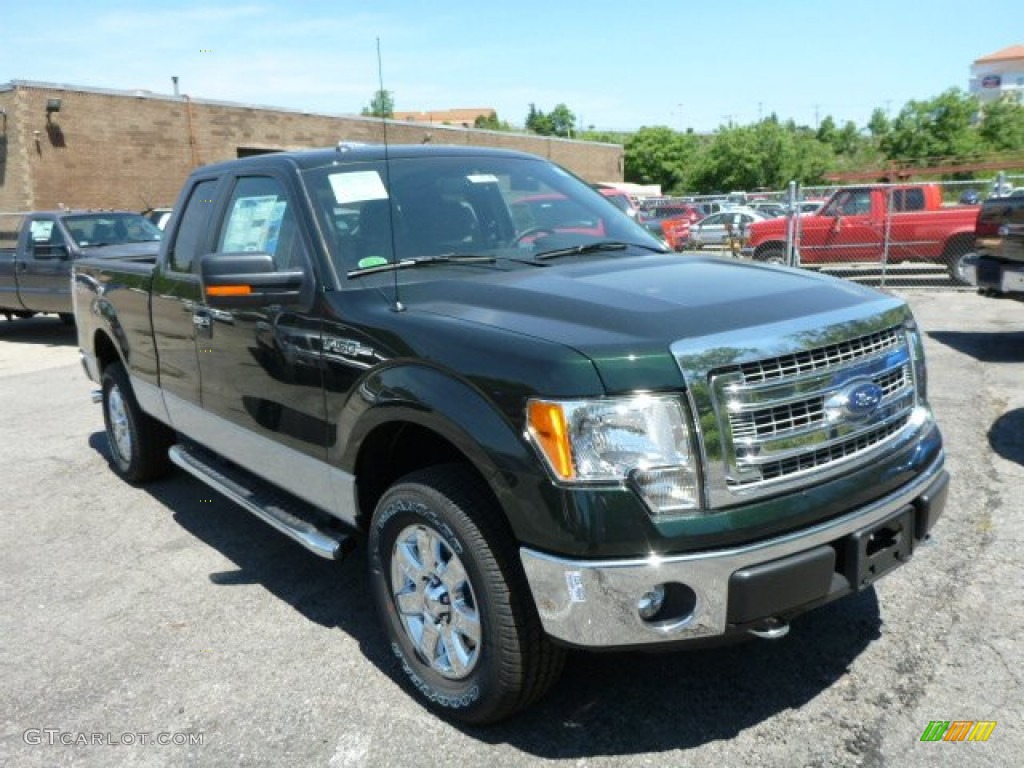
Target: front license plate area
(873, 552)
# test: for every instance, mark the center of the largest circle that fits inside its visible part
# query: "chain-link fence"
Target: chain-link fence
(907, 233)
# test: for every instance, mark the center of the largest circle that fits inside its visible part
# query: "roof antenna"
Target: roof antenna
(399, 306)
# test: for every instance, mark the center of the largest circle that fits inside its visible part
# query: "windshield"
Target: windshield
(510, 209)
(95, 229)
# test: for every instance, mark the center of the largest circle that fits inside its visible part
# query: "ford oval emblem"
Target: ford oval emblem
(857, 400)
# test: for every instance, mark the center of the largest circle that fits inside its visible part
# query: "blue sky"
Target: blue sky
(618, 65)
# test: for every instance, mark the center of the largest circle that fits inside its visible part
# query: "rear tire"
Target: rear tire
(771, 255)
(138, 442)
(953, 256)
(451, 594)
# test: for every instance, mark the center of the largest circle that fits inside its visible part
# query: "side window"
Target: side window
(908, 200)
(192, 226)
(261, 218)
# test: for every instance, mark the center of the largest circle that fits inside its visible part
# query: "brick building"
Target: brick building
(96, 148)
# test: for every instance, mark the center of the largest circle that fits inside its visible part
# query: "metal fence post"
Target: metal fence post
(886, 236)
(790, 223)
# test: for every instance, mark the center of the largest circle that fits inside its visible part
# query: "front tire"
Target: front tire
(138, 442)
(446, 580)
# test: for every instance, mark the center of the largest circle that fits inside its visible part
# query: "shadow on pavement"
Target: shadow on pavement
(41, 329)
(1006, 436)
(611, 704)
(998, 347)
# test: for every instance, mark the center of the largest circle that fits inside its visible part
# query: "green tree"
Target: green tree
(766, 154)
(538, 122)
(878, 125)
(1002, 125)
(563, 120)
(559, 122)
(938, 129)
(491, 122)
(827, 131)
(659, 155)
(381, 105)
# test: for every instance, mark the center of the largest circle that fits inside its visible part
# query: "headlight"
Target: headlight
(643, 440)
(917, 355)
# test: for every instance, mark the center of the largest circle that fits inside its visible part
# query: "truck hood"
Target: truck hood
(624, 313)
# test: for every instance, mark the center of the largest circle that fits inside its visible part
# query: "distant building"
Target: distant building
(999, 74)
(464, 117)
(101, 148)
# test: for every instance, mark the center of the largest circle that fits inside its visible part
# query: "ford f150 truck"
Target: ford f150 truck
(549, 435)
(37, 249)
(998, 267)
(863, 224)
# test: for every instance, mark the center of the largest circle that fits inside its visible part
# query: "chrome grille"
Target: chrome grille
(823, 357)
(788, 415)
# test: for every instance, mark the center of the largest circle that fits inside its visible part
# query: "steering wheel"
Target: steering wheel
(532, 231)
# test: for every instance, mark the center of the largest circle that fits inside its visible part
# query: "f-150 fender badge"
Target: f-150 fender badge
(346, 347)
(857, 400)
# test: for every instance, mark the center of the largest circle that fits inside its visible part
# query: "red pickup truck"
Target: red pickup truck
(852, 226)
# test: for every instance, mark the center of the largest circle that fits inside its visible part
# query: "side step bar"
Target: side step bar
(292, 517)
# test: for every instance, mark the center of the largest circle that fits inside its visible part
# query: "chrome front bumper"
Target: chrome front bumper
(594, 603)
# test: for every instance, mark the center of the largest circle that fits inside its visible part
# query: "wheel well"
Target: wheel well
(958, 245)
(106, 352)
(394, 450)
(769, 245)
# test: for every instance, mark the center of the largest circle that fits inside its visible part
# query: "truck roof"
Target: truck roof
(354, 151)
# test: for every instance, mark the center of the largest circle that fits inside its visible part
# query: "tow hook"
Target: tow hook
(770, 629)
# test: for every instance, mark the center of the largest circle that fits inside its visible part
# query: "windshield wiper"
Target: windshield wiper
(598, 247)
(423, 261)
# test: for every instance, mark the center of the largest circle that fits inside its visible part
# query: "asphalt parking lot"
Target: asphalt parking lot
(133, 616)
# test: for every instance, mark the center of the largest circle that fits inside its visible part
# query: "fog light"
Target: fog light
(651, 602)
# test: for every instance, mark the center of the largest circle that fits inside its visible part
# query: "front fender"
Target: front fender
(462, 415)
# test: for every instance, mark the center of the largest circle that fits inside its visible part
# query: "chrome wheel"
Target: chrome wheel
(434, 598)
(120, 427)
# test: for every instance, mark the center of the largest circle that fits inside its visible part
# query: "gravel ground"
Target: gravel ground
(134, 612)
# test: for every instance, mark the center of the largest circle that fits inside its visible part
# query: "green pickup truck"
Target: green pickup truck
(547, 434)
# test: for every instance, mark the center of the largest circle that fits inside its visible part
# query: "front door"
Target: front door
(44, 268)
(260, 366)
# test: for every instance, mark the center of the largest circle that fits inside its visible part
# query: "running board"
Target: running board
(292, 517)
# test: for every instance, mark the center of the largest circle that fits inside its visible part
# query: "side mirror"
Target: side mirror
(245, 280)
(47, 251)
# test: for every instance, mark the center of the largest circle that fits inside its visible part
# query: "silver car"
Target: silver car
(714, 230)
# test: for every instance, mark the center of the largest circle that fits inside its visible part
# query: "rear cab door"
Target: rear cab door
(176, 296)
(11, 226)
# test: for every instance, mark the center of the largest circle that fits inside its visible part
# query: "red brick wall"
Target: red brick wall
(115, 150)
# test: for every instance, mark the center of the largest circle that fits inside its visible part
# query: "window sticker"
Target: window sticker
(41, 230)
(358, 186)
(254, 224)
(482, 178)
